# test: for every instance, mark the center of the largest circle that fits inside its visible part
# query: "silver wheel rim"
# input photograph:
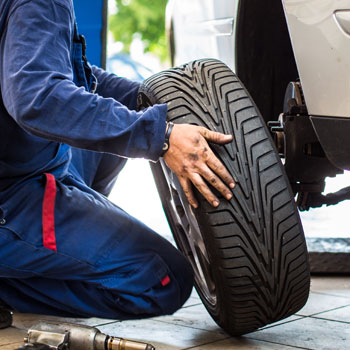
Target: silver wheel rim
(189, 236)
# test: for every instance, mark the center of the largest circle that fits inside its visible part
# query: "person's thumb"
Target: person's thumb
(216, 137)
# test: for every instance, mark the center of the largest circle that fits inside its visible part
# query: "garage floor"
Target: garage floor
(324, 323)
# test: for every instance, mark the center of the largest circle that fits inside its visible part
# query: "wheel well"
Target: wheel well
(264, 57)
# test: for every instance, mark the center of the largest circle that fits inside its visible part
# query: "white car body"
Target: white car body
(319, 31)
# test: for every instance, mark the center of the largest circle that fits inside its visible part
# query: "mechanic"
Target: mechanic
(65, 249)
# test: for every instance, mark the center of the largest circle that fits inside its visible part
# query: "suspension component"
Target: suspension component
(305, 161)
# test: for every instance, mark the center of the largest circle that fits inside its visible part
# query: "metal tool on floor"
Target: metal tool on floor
(67, 336)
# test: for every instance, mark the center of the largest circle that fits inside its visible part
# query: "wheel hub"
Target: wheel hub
(190, 239)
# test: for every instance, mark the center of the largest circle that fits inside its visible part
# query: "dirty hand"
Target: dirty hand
(191, 159)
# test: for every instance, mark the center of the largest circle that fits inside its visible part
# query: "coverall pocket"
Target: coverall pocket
(25, 211)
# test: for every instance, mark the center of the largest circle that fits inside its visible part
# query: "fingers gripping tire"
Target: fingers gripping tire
(249, 254)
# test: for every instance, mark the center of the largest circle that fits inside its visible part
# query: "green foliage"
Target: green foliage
(146, 17)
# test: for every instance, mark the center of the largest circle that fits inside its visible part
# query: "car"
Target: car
(284, 52)
(275, 75)
(122, 64)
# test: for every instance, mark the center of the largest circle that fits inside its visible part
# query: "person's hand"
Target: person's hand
(191, 159)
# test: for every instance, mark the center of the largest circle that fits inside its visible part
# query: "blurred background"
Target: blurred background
(136, 48)
(136, 38)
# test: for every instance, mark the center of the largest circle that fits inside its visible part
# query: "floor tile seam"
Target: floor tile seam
(105, 324)
(331, 294)
(324, 311)
(186, 326)
(205, 344)
(75, 323)
(15, 342)
(300, 317)
(272, 342)
(21, 327)
(187, 306)
(327, 319)
(17, 328)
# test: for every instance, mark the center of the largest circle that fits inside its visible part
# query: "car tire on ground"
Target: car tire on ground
(249, 254)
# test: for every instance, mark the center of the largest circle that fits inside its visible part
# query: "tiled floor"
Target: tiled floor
(323, 324)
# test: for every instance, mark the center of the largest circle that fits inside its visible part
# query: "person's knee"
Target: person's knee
(166, 296)
(181, 287)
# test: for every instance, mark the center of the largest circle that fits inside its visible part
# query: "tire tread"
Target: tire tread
(258, 249)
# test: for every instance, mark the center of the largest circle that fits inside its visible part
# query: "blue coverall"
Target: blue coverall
(65, 249)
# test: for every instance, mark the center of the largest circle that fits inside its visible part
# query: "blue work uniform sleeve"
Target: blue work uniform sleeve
(38, 91)
(121, 89)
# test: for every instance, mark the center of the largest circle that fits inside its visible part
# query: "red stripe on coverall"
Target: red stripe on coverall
(165, 281)
(48, 218)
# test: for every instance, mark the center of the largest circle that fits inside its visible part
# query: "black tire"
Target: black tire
(249, 254)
